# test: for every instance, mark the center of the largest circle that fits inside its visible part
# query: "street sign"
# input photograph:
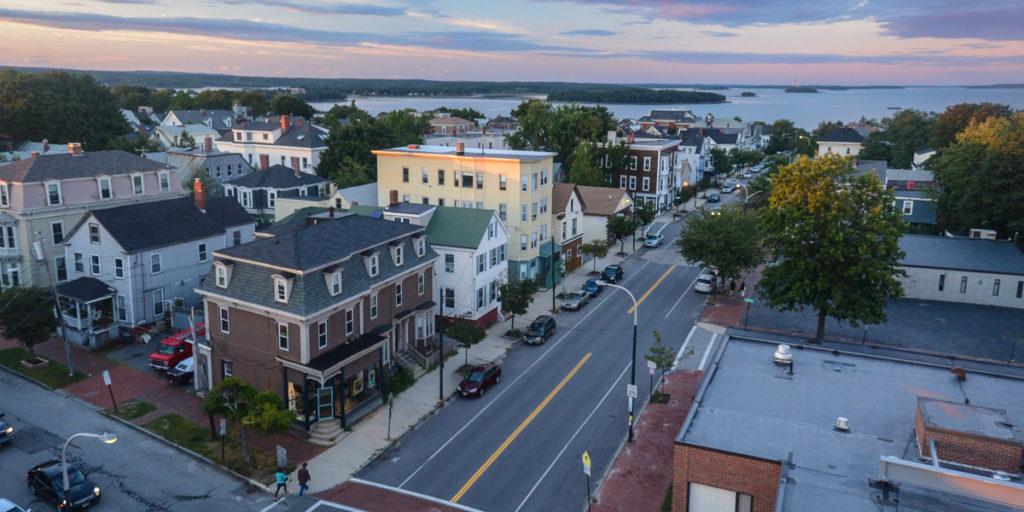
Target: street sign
(631, 390)
(749, 300)
(586, 463)
(652, 365)
(651, 371)
(223, 426)
(106, 377)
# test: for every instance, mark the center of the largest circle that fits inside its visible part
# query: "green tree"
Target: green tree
(875, 147)
(662, 356)
(620, 227)
(645, 212)
(255, 100)
(904, 133)
(516, 297)
(596, 249)
(406, 128)
(219, 99)
(468, 114)
(350, 113)
(833, 239)
(826, 127)
(729, 242)
(287, 104)
(720, 159)
(267, 414)
(785, 136)
(185, 140)
(467, 334)
(351, 173)
(27, 315)
(231, 398)
(957, 117)
(182, 101)
(583, 168)
(543, 127)
(355, 141)
(161, 100)
(987, 157)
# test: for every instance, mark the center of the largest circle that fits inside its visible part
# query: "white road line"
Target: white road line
(682, 350)
(567, 443)
(707, 352)
(328, 504)
(663, 226)
(413, 494)
(688, 288)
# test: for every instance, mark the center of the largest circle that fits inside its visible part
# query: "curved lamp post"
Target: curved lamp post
(632, 373)
(747, 195)
(106, 437)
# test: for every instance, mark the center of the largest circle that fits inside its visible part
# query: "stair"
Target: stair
(326, 433)
(406, 361)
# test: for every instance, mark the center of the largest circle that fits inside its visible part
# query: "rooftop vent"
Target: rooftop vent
(783, 355)
(842, 424)
(414, 146)
(1001, 475)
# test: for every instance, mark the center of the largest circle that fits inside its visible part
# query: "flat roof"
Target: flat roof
(749, 405)
(958, 253)
(451, 151)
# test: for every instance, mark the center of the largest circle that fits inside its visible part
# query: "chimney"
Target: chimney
(46, 145)
(203, 111)
(208, 144)
(264, 162)
(75, 148)
(35, 154)
(393, 197)
(299, 121)
(285, 123)
(460, 148)
(200, 195)
(330, 211)
(295, 166)
(309, 220)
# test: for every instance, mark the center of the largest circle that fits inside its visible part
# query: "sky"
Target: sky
(867, 42)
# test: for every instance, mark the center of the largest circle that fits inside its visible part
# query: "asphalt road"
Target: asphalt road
(520, 446)
(135, 473)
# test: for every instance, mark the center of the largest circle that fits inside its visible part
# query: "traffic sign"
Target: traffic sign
(652, 365)
(749, 300)
(631, 390)
(586, 463)
(106, 377)
(651, 371)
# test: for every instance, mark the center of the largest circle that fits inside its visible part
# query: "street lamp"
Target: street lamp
(106, 437)
(747, 195)
(632, 372)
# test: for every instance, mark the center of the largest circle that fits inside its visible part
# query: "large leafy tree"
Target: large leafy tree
(583, 168)
(833, 239)
(620, 227)
(720, 159)
(182, 101)
(516, 296)
(826, 127)
(902, 134)
(785, 136)
(349, 158)
(982, 177)
(214, 99)
(26, 315)
(596, 249)
(407, 129)
(957, 117)
(241, 403)
(350, 113)
(466, 334)
(60, 107)
(729, 242)
(254, 99)
(544, 127)
(287, 104)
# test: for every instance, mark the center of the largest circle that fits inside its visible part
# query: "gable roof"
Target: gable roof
(300, 134)
(918, 175)
(360, 194)
(84, 165)
(458, 227)
(220, 120)
(560, 195)
(998, 257)
(602, 201)
(144, 226)
(278, 177)
(843, 135)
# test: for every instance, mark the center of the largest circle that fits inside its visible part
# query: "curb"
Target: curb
(26, 377)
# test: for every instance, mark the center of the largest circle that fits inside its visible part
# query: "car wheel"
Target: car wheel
(497, 379)
(32, 489)
(481, 391)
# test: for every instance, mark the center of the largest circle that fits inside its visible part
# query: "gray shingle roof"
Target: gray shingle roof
(304, 135)
(276, 176)
(85, 289)
(843, 135)
(962, 254)
(84, 165)
(138, 227)
(406, 208)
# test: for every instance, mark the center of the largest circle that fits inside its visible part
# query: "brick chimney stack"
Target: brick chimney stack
(330, 211)
(75, 148)
(200, 194)
(208, 144)
(46, 145)
(285, 123)
(295, 167)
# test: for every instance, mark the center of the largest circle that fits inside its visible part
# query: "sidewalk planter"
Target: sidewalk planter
(37, 363)
(515, 335)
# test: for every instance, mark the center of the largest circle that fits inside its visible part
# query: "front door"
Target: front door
(325, 404)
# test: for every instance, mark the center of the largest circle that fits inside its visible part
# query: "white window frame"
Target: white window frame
(280, 290)
(163, 179)
(622, 182)
(155, 264)
(646, 184)
(350, 322)
(225, 320)
(399, 255)
(245, 197)
(321, 334)
(141, 189)
(94, 229)
(282, 336)
(60, 196)
(159, 301)
(54, 229)
(57, 260)
(221, 275)
(647, 163)
(449, 263)
(203, 254)
(908, 207)
(5, 198)
(336, 283)
(119, 268)
(374, 299)
(632, 163)
(632, 183)
(121, 308)
(374, 265)
(421, 281)
(94, 265)
(79, 261)
(398, 294)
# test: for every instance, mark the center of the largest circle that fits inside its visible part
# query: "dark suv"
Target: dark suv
(542, 328)
(47, 482)
(612, 274)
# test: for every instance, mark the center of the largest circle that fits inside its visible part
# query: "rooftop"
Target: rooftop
(749, 405)
(448, 151)
(956, 253)
(843, 135)
(458, 227)
(88, 164)
(277, 177)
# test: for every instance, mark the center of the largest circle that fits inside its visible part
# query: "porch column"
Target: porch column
(305, 401)
(341, 378)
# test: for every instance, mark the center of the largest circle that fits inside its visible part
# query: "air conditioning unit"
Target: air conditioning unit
(983, 234)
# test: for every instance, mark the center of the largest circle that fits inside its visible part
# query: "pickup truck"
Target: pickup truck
(174, 349)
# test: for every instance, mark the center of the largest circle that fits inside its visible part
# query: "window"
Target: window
(104, 187)
(280, 290)
(995, 288)
(236, 237)
(963, 284)
(533, 211)
(522, 242)
(421, 283)
(1020, 289)
(52, 193)
(544, 232)
(94, 265)
(647, 163)
(202, 252)
(399, 255)
(525, 180)
(493, 291)
(246, 197)
(646, 184)
(632, 163)
(282, 336)
(481, 263)
(534, 180)
(467, 180)
(543, 205)
(942, 282)
(398, 294)
(449, 263)
(421, 246)
(158, 303)
(4, 198)
(165, 181)
(502, 252)
(335, 283)
(225, 321)
(271, 199)
(479, 205)
(61, 265)
(632, 183)
(622, 182)
(712, 499)
(321, 334)
(502, 182)
(373, 305)
(425, 176)
(405, 175)
(405, 198)
(574, 227)
(94, 233)
(449, 298)
(524, 213)
(544, 177)
(908, 207)
(503, 212)
(225, 366)
(479, 180)
(491, 230)
(154, 264)
(440, 176)
(57, 229)
(374, 265)
(79, 263)
(481, 295)
(119, 268)
(137, 187)
(494, 256)
(533, 240)
(122, 309)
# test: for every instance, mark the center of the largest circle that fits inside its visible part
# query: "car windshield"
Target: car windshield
(165, 349)
(475, 376)
(75, 477)
(704, 279)
(575, 296)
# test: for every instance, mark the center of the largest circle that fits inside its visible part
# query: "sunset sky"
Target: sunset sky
(615, 41)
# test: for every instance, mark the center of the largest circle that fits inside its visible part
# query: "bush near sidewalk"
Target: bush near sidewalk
(54, 374)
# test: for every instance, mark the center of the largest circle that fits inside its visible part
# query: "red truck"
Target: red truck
(174, 349)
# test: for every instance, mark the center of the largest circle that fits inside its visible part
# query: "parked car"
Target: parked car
(174, 349)
(728, 186)
(612, 274)
(46, 481)
(542, 328)
(705, 283)
(654, 240)
(714, 198)
(592, 288)
(573, 301)
(756, 169)
(9, 506)
(6, 431)
(182, 372)
(747, 175)
(480, 378)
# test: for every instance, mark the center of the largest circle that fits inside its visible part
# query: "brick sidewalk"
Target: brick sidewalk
(642, 472)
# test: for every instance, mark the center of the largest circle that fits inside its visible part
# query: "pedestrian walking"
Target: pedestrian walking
(743, 288)
(303, 479)
(732, 287)
(282, 483)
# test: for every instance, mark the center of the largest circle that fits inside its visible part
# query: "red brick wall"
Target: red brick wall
(755, 477)
(967, 449)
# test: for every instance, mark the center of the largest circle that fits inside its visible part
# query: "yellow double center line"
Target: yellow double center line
(653, 286)
(490, 460)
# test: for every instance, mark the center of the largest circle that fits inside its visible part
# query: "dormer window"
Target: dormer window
(222, 274)
(421, 246)
(333, 278)
(282, 288)
(372, 262)
(52, 193)
(137, 186)
(397, 254)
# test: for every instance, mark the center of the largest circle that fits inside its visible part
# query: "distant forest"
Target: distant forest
(634, 95)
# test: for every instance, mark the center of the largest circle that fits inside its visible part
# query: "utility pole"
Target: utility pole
(41, 256)
(440, 336)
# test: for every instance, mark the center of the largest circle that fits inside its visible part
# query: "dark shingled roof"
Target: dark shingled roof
(84, 165)
(138, 227)
(406, 208)
(843, 135)
(305, 135)
(85, 289)
(276, 176)
(976, 255)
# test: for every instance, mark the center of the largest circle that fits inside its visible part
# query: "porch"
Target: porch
(87, 312)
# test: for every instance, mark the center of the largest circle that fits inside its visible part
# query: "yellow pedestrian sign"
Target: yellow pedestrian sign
(586, 463)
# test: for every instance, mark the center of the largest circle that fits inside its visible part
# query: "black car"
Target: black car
(612, 274)
(591, 287)
(6, 431)
(714, 198)
(47, 482)
(542, 328)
